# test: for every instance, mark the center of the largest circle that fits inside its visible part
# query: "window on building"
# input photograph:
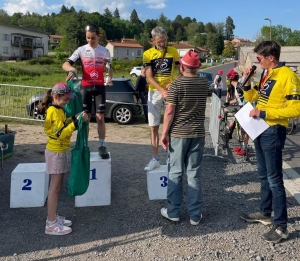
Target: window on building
(5, 49)
(127, 52)
(6, 37)
(139, 53)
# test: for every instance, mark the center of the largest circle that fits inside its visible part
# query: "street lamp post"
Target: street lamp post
(268, 19)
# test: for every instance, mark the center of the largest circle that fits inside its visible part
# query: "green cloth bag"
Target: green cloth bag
(74, 106)
(80, 162)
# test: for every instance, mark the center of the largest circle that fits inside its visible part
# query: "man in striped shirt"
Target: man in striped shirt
(183, 136)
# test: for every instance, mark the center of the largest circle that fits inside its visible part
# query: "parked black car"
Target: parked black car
(121, 102)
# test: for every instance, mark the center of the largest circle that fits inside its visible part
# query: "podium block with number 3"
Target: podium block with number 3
(157, 182)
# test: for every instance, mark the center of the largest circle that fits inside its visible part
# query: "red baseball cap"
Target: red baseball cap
(190, 60)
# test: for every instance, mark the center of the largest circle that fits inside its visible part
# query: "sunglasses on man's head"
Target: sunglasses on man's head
(92, 28)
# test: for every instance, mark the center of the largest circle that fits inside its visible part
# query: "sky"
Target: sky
(248, 16)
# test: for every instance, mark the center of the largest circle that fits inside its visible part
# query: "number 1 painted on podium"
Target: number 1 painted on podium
(93, 174)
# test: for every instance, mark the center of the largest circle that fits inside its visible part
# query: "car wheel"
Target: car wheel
(36, 115)
(133, 75)
(122, 114)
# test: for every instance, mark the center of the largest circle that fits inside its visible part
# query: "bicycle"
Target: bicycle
(292, 127)
(233, 131)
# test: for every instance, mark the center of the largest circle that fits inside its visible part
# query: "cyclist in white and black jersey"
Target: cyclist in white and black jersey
(94, 60)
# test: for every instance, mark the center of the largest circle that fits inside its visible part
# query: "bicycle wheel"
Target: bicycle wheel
(223, 134)
(244, 144)
(290, 127)
(236, 135)
(222, 125)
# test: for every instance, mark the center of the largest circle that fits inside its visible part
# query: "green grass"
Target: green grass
(47, 75)
(43, 75)
(30, 73)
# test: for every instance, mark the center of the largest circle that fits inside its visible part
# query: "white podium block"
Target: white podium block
(29, 185)
(99, 190)
(157, 182)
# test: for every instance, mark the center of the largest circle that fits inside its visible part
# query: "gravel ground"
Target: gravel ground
(131, 228)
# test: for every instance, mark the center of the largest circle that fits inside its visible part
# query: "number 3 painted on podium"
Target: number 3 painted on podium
(164, 181)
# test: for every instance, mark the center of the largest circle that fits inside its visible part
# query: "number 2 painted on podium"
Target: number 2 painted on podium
(27, 185)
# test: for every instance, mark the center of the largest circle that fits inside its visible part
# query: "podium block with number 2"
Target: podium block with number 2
(29, 185)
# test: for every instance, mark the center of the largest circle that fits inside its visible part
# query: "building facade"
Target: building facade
(19, 43)
(125, 50)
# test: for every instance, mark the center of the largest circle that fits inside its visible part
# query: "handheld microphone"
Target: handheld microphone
(249, 75)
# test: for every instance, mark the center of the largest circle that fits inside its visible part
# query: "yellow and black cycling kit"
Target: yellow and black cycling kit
(278, 99)
(162, 65)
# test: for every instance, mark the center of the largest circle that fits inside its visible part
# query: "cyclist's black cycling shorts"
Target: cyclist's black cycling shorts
(98, 93)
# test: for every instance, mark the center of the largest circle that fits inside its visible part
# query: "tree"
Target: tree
(116, 13)
(229, 27)
(283, 35)
(107, 13)
(4, 17)
(210, 28)
(72, 10)
(191, 30)
(215, 42)
(229, 50)
(220, 28)
(136, 22)
(134, 18)
(186, 21)
(149, 25)
(178, 19)
(144, 40)
(64, 10)
(294, 38)
(180, 34)
(15, 18)
(165, 23)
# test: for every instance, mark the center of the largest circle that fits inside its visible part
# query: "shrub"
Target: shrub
(117, 67)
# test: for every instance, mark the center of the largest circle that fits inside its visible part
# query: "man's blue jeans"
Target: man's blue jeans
(268, 147)
(185, 157)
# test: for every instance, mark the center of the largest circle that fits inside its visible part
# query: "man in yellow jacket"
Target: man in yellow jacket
(278, 100)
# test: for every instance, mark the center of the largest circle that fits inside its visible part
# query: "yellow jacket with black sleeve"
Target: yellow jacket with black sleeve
(279, 97)
(58, 129)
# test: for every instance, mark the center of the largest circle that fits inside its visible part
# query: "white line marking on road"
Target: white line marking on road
(291, 180)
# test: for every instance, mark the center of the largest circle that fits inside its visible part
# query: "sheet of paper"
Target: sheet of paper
(253, 127)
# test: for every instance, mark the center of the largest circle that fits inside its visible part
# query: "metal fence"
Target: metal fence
(214, 122)
(19, 101)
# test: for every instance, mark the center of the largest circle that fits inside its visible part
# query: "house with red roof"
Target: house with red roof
(128, 49)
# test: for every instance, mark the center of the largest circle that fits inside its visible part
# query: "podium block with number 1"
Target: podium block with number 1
(99, 190)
